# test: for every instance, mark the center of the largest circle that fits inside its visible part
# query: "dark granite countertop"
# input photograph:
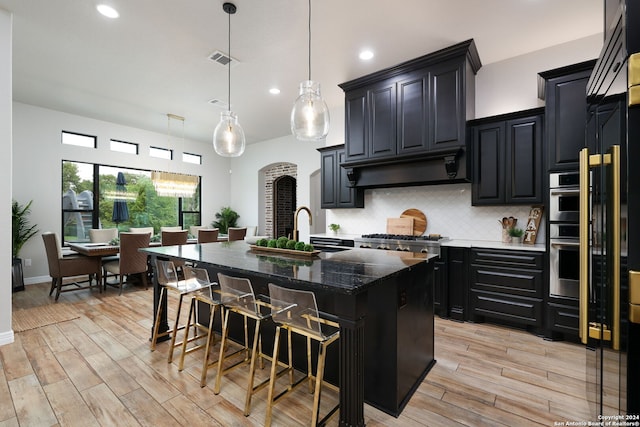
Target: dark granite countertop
(350, 271)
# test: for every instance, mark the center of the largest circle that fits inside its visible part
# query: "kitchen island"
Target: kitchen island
(383, 301)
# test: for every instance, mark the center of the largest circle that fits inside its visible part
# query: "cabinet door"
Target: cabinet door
(524, 160)
(356, 125)
(488, 186)
(447, 104)
(328, 176)
(347, 197)
(458, 277)
(566, 103)
(413, 114)
(382, 120)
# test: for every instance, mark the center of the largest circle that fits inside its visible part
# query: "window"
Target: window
(91, 192)
(123, 146)
(161, 153)
(70, 138)
(196, 159)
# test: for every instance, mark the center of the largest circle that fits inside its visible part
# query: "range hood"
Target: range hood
(436, 167)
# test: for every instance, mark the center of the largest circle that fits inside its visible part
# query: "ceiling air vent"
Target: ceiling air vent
(219, 103)
(222, 58)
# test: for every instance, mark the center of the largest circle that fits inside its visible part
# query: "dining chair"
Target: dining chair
(296, 311)
(131, 261)
(102, 235)
(236, 233)
(68, 266)
(170, 238)
(141, 230)
(178, 228)
(207, 235)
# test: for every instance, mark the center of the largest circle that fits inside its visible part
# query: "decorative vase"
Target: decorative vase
(505, 236)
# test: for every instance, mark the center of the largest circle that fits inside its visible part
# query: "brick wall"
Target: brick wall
(270, 176)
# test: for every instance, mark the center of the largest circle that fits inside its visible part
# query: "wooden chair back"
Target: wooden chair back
(237, 233)
(170, 238)
(131, 260)
(207, 235)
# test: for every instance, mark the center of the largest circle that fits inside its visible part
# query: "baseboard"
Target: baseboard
(6, 338)
(37, 279)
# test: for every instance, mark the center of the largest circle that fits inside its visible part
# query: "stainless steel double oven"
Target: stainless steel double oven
(564, 234)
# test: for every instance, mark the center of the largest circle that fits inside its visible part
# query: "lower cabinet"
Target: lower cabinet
(451, 283)
(506, 285)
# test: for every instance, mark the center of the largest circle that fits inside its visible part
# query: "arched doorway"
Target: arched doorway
(269, 198)
(284, 205)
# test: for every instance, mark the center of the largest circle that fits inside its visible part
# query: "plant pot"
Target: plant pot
(17, 278)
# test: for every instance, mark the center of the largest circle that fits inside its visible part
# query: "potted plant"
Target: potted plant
(22, 231)
(516, 234)
(226, 218)
(334, 227)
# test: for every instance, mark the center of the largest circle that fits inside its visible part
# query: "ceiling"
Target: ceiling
(154, 59)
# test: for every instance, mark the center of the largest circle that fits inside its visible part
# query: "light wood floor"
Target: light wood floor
(98, 370)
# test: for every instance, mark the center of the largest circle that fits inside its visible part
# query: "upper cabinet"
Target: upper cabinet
(415, 111)
(507, 160)
(565, 93)
(335, 192)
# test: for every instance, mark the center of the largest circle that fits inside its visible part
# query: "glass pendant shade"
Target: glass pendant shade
(310, 115)
(228, 137)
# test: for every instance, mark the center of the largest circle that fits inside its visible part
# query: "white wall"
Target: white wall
(512, 84)
(38, 153)
(6, 333)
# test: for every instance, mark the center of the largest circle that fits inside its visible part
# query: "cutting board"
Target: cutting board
(419, 221)
(402, 226)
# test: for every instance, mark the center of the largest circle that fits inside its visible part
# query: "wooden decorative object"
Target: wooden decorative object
(533, 223)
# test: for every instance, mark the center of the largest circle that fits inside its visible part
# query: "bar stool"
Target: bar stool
(296, 312)
(208, 296)
(237, 296)
(168, 279)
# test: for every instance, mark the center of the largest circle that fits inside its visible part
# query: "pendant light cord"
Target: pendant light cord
(229, 68)
(309, 40)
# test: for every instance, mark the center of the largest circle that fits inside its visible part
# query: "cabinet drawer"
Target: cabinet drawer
(527, 311)
(563, 318)
(507, 258)
(520, 282)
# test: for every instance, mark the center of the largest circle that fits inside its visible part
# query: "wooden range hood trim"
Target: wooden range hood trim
(450, 166)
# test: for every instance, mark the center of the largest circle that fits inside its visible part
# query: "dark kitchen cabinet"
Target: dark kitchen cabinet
(451, 283)
(440, 285)
(335, 192)
(507, 158)
(506, 286)
(565, 93)
(414, 108)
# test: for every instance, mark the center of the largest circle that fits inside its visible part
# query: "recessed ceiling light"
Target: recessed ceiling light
(274, 91)
(366, 54)
(107, 11)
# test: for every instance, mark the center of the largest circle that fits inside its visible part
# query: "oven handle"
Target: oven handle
(561, 243)
(561, 191)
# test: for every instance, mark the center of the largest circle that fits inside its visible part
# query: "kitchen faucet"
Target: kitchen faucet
(295, 220)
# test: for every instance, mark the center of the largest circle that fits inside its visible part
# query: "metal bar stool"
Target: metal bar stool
(237, 296)
(296, 312)
(168, 279)
(208, 296)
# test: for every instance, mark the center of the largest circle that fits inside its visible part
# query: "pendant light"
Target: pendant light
(228, 137)
(310, 115)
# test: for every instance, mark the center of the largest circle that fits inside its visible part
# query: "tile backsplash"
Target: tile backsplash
(447, 208)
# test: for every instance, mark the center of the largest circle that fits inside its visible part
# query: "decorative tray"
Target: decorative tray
(257, 248)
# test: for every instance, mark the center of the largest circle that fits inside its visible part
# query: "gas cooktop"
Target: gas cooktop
(430, 237)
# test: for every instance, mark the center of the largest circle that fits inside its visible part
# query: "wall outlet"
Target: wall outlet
(27, 262)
